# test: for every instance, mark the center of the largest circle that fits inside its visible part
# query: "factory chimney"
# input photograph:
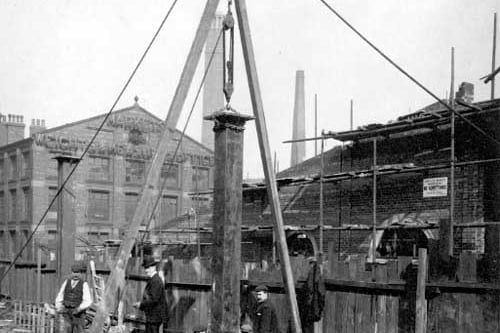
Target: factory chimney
(299, 121)
(213, 96)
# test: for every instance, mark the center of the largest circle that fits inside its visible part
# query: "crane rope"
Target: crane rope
(87, 148)
(171, 163)
(414, 80)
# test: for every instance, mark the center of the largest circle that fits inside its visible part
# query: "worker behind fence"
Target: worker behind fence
(153, 302)
(264, 316)
(73, 299)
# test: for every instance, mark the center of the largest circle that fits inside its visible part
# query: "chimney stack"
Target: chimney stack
(465, 92)
(37, 125)
(299, 121)
(11, 128)
(213, 96)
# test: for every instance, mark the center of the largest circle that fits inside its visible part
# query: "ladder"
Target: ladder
(97, 284)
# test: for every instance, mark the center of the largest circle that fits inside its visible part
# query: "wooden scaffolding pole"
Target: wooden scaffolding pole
(452, 157)
(265, 153)
(147, 195)
(493, 55)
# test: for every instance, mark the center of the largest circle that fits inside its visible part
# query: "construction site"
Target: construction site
(387, 227)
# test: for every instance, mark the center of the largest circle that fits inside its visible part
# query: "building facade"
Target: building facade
(412, 190)
(107, 184)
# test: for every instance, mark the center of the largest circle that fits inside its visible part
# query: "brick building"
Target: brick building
(107, 183)
(413, 188)
(413, 181)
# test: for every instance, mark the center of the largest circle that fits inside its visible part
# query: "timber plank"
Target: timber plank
(489, 304)
(448, 322)
(332, 321)
(466, 302)
(465, 313)
(363, 313)
(381, 276)
(351, 301)
(341, 323)
(392, 302)
(329, 319)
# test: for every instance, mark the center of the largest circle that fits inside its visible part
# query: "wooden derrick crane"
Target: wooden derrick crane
(116, 279)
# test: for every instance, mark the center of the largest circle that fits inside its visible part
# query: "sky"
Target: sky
(66, 60)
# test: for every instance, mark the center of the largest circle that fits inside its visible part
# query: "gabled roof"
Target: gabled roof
(134, 107)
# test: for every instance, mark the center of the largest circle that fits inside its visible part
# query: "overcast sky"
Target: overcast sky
(65, 60)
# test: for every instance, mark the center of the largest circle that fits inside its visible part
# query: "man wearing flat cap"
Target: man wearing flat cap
(153, 302)
(264, 316)
(73, 299)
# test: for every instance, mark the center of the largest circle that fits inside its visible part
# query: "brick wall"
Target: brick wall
(350, 201)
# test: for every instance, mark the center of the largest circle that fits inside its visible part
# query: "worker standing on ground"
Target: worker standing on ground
(73, 299)
(153, 302)
(264, 317)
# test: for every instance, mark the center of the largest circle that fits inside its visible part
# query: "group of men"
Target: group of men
(74, 298)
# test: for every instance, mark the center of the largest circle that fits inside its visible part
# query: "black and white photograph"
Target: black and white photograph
(239, 166)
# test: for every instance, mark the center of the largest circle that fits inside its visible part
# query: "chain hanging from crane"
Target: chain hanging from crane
(228, 59)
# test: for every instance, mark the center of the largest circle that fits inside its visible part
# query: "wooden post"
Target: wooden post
(351, 116)
(493, 55)
(421, 306)
(39, 277)
(321, 199)
(117, 276)
(373, 253)
(315, 124)
(265, 153)
(452, 157)
(226, 249)
(65, 219)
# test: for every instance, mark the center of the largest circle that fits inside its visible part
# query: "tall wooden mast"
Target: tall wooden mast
(116, 279)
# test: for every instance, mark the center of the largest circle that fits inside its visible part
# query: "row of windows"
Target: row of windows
(167, 209)
(100, 170)
(11, 165)
(135, 172)
(14, 206)
(98, 208)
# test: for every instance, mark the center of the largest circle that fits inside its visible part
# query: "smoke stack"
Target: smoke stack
(213, 96)
(465, 92)
(299, 121)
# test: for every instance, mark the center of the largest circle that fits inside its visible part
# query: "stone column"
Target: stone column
(66, 227)
(226, 258)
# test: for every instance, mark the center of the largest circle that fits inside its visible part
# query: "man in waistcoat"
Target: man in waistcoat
(153, 303)
(73, 299)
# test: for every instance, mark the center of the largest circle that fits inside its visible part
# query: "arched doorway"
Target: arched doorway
(402, 241)
(301, 243)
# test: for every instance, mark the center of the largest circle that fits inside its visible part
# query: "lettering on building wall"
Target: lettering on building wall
(129, 122)
(70, 144)
(435, 187)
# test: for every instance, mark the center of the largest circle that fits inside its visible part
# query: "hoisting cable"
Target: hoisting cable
(171, 163)
(448, 107)
(99, 129)
(228, 64)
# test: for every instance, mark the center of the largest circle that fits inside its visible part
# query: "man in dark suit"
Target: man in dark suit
(264, 317)
(153, 301)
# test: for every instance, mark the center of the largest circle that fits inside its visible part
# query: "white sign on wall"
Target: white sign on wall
(435, 187)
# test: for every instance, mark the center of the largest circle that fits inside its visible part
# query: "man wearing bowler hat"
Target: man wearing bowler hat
(153, 302)
(264, 316)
